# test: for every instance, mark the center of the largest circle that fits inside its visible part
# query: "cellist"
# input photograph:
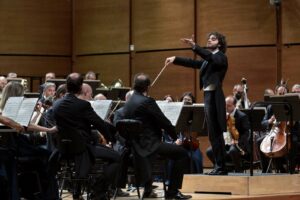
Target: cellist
(268, 122)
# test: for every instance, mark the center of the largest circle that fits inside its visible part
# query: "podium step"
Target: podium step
(242, 184)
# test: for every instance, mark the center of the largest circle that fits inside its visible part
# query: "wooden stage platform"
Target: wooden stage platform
(240, 186)
(232, 187)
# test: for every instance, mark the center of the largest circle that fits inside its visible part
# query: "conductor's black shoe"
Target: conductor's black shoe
(177, 195)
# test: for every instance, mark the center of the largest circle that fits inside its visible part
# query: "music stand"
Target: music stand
(31, 95)
(57, 82)
(291, 98)
(267, 97)
(259, 113)
(117, 93)
(103, 91)
(191, 119)
(19, 80)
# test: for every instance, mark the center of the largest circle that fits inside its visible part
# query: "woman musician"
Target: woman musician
(238, 129)
(23, 147)
(188, 140)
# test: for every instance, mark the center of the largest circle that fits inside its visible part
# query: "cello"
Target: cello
(274, 144)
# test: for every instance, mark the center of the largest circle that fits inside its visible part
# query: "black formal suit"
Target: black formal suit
(74, 116)
(213, 68)
(149, 141)
(233, 154)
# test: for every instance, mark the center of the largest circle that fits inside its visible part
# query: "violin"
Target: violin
(234, 133)
(190, 142)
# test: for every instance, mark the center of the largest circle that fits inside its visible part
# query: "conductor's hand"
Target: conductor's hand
(189, 41)
(169, 60)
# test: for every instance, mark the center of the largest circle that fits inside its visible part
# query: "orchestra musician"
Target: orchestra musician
(189, 141)
(213, 68)
(240, 93)
(25, 147)
(48, 76)
(48, 92)
(72, 113)
(237, 136)
(268, 122)
(149, 143)
(3, 82)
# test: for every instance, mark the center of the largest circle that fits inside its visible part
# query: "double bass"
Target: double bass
(275, 142)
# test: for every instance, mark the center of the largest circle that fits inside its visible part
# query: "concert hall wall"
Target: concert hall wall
(68, 35)
(35, 38)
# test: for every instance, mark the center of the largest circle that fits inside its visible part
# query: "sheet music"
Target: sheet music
(101, 107)
(20, 109)
(12, 107)
(171, 110)
(26, 111)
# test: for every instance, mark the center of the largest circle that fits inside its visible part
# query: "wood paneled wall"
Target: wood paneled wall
(101, 26)
(51, 35)
(243, 22)
(155, 23)
(35, 37)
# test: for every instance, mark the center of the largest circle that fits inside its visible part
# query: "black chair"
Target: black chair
(70, 154)
(22, 166)
(130, 129)
(77, 168)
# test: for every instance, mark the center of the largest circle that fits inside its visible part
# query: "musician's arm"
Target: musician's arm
(11, 123)
(35, 127)
(267, 120)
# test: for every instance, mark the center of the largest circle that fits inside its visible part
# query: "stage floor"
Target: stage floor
(235, 187)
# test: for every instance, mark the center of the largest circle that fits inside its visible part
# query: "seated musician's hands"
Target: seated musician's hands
(53, 129)
(109, 145)
(169, 60)
(18, 128)
(178, 142)
(272, 119)
(12, 124)
(189, 41)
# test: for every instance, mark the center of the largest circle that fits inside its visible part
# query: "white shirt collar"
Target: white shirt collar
(215, 51)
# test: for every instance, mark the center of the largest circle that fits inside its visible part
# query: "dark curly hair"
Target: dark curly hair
(222, 40)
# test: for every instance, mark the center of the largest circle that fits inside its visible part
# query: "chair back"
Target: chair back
(70, 142)
(129, 128)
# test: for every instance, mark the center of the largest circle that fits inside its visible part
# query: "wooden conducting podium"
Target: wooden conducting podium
(244, 186)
